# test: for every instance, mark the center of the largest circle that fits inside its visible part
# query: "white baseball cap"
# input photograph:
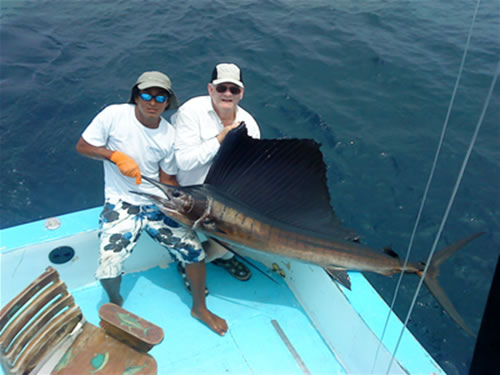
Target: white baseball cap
(226, 72)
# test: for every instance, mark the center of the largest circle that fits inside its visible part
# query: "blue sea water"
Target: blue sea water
(371, 81)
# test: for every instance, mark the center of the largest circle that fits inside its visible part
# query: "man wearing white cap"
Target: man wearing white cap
(133, 139)
(201, 125)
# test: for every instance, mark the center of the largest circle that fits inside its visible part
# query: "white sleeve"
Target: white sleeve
(97, 132)
(253, 129)
(251, 125)
(169, 166)
(191, 150)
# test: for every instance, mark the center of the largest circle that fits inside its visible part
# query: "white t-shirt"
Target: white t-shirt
(197, 126)
(116, 127)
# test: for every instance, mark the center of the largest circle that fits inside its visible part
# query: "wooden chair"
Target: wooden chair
(43, 331)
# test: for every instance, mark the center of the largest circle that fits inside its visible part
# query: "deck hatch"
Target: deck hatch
(61, 254)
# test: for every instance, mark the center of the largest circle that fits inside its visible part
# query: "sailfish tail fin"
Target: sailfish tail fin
(435, 288)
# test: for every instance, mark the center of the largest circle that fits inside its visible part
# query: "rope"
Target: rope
(424, 199)
(450, 203)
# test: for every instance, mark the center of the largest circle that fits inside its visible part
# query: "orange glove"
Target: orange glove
(127, 165)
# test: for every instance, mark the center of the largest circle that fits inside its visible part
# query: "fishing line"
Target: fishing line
(424, 198)
(450, 203)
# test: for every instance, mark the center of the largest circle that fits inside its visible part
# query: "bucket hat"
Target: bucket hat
(155, 79)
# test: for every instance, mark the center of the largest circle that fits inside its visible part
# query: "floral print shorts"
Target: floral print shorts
(121, 225)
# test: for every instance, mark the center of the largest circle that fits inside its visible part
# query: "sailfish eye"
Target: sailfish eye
(176, 194)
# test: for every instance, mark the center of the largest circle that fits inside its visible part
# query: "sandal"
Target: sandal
(234, 267)
(187, 284)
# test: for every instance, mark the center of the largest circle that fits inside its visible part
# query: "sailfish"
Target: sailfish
(271, 195)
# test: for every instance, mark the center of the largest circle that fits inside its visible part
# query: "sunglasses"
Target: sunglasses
(223, 88)
(148, 97)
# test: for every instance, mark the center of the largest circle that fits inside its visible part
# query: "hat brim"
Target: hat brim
(228, 80)
(173, 102)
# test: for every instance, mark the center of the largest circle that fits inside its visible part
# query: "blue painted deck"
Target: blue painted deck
(252, 344)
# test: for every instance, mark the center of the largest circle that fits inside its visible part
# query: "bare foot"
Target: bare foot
(214, 322)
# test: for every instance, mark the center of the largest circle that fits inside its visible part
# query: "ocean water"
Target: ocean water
(371, 81)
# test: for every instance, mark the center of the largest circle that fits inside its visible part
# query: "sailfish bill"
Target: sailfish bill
(271, 195)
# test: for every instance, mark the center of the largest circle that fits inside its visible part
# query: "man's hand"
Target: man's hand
(226, 130)
(127, 165)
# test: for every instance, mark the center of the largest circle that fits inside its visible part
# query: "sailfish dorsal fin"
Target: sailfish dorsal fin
(282, 179)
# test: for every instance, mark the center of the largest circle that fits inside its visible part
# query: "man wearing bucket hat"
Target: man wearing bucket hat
(201, 125)
(133, 139)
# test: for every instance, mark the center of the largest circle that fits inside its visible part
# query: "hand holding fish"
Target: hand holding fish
(226, 130)
(127, 165)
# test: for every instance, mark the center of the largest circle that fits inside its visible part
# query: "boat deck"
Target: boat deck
(256, 310)
(304, 324)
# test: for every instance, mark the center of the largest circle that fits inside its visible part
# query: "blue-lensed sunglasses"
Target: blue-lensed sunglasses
(158, 99)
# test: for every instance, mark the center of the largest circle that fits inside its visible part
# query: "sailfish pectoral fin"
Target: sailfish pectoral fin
(435, 288)
(204, 216)
(341, 276)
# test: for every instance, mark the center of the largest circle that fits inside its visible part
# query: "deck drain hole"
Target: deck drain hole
(61, 254)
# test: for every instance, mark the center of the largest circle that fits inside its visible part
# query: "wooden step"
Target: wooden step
(96, 352)
(129, 328)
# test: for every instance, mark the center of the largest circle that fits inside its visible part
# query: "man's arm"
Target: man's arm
(226, 131)
(128, 166)
(190, 150)
(93, 152)
(168, 179)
